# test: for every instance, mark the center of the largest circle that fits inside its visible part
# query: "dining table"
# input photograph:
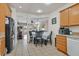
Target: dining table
(40, 35)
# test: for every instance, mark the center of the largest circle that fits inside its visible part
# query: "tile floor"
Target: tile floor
(24, 49)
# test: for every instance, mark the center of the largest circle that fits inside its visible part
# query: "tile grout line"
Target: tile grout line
(28, 51)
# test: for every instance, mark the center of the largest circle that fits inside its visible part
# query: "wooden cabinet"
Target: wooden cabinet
(2, 46)
(70, 16)
(2, 23)
(74, 15)
(61, 43)
(64, 20)
(4, 11)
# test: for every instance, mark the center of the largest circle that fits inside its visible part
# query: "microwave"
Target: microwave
(65, 31)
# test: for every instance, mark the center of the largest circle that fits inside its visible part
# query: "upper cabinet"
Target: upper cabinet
(64, 18)
(2, 23)
(4, 9)
(74, 15)
(70, 16)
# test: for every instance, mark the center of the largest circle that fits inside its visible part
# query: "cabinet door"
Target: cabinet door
(62, 48)
(4, 9)
(64, 21)
(2, 50)
(7, 10)
(2, 23)
(61, 43)
(74, 15)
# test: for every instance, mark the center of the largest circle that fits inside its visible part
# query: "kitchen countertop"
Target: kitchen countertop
(71, 36)
(2, 35)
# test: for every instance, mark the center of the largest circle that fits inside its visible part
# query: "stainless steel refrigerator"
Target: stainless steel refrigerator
(9, 32)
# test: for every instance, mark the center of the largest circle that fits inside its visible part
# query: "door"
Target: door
(74, 15)
(64, 21)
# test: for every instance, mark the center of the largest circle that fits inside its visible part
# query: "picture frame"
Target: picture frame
(54, 20)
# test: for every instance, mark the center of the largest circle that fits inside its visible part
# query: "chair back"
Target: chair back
(33, 34)
(30, 33)
(39, 34)
(50, 35)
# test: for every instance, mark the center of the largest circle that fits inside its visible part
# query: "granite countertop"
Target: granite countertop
(71, 36)
(2, 35)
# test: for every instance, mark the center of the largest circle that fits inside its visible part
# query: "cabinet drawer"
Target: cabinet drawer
(61, 43)
(62, 48)
(61, 40)
(60, 36)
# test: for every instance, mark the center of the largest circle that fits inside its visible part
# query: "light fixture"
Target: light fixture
(39, 11)
(47, 3)
(20, 6)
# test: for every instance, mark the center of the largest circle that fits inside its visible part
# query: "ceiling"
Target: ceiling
(31, 8)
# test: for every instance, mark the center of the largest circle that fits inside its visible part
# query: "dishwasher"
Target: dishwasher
(73, 46)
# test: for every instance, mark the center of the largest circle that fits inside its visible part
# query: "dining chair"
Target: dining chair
(38, 38)
(30, 34)
(50, 37)
(45, 37)
(33, 36)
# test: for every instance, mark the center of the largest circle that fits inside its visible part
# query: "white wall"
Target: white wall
(54, 27)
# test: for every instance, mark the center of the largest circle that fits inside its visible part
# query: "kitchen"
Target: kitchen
(65, 30)
(67, 39)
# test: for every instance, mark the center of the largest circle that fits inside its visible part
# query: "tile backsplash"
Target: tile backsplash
(74, 29)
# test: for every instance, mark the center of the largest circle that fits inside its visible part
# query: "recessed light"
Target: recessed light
(20, 6)
(47, 3)
(39, 11)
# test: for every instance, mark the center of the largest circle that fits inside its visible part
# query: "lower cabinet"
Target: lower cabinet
(61, 43)
(2, 46)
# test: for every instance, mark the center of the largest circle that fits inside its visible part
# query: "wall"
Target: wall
(54, 27)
